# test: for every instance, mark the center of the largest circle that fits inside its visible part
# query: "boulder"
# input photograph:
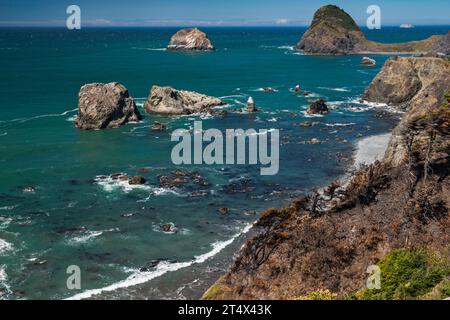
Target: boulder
(169, 101)
(190, 40)
(136, 180)
(318, 107)
(369, 62)
(103, 106)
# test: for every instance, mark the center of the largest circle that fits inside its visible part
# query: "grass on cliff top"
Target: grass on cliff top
(337, 15)
(411, 274)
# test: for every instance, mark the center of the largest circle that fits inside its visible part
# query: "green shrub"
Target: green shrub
(408, 274)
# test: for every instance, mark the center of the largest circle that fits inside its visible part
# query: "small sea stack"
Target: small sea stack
(103, 106)
(297, 89)
(190, 40)
(368, 62)
(251, 105)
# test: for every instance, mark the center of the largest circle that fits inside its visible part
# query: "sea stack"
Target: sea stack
(251, 105)
(334, 32)
(190, 40)
(169, 101)
(103, 106)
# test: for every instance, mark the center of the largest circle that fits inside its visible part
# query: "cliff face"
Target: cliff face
(325, 242)
(415, 85)
(334, 32)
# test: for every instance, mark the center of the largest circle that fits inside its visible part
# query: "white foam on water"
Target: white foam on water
(371, 149)
(4, 134)
(307, 115)
(137, 277)
(5, 246)
(109, 185)
(336, 89)
(22, 120)
(90, 235)
(72, 118)
(340, 124)
(156, 49)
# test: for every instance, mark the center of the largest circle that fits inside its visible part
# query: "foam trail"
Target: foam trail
(22, 120)
(162, 268)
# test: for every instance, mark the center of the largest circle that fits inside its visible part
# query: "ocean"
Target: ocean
(112, 231)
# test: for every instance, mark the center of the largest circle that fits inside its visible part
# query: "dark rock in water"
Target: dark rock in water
(315, 141)
(70, 230)
(151, 265)
(318, 107)
(297, 89)
(268, 89)
(190, 40)
(158, 127)
(169, 228)
(137, 180)
(103, 106)
(179, 177)
(224, 211)
(169, 101)
(144, 170)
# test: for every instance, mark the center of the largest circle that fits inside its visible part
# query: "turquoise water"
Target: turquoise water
(112, 232)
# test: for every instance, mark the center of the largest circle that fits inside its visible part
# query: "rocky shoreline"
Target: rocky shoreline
(320, 246)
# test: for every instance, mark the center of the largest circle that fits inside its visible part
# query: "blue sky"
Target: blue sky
(214, 12)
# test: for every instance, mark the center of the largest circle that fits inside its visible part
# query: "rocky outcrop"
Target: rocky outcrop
(103, 106)
(368, 62)
(414, 85)
(169, 101)
(251, 107)
(334, 32)
(190, 40)
(318, 107)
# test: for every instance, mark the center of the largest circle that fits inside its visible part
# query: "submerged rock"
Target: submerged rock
(158, 127)
(318, 107)
(103, 106)
(169, 101)
(190, 40)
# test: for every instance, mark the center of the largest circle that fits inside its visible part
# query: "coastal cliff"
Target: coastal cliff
(334, 32)
(393, 214)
